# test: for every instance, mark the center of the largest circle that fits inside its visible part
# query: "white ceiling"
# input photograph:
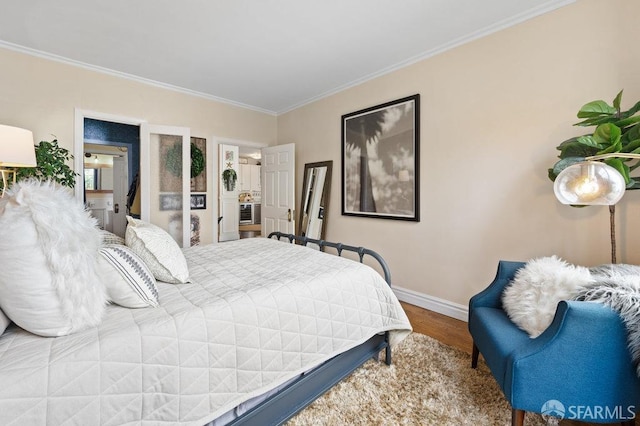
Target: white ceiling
(267, 55)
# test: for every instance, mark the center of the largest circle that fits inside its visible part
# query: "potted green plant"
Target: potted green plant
(51, 161)
(229, 178)
(616, 131)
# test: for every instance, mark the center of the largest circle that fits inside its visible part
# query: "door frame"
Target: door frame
(78, 140)
(217, 141)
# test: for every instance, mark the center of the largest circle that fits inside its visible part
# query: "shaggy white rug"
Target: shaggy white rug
(428, 384)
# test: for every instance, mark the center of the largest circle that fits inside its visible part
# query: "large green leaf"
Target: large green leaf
(596, 109)
(631, 111)
(573, 148)
(617, 100)
(568, 142)
(607, 134)
(612, 148)
(631, 146)
(631, 133)
(589, 140)
(597, 120)
(617, 164)
(627, 122)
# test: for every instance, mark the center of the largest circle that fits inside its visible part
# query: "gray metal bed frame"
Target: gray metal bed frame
(280, 407)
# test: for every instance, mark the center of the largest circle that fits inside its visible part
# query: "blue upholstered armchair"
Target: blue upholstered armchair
(579, 367)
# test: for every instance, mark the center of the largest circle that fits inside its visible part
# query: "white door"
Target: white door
(120, 190)
(278, 189)
(165, 171)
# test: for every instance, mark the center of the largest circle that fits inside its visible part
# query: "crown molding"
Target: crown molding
(498, 26)
(108, 71)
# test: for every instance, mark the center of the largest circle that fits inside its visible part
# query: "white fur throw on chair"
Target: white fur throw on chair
(618, 286)
(531, 299)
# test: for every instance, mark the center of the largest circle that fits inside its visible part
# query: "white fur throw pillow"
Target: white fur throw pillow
(4, 322)
(158, 250)
(531, 299)
(49, 247)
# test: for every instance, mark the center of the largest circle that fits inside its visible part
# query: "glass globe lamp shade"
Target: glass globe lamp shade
(589, 183)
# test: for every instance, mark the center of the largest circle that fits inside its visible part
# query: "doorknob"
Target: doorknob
(116, 208)
(289, 215)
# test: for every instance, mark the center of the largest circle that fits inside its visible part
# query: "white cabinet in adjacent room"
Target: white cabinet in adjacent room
(244, 179)
(255, 178)
(249, 179)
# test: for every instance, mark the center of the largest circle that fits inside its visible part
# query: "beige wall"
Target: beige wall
(492, 113)
(41, 95)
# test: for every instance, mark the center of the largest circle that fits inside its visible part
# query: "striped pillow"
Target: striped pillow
(128, 280)
(110, 238)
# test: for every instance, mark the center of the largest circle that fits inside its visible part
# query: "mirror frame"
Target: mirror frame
(326, 193)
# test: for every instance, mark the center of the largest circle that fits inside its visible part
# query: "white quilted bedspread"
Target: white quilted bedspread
(257, 313)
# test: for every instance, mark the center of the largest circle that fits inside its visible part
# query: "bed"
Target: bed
(263, 322)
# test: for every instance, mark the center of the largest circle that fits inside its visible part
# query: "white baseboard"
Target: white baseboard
(435, 304)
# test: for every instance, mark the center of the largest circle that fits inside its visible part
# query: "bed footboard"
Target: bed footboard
(339, 247)
(300, 393)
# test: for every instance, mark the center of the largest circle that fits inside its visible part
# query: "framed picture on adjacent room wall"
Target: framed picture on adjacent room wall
(380, 161)
(198, 201)
(170, 201)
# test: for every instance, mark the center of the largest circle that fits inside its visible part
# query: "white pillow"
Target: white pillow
(531, 299)
(128, 281)
(4, 322)
(49, 248)
(158, 250)
(110, 238)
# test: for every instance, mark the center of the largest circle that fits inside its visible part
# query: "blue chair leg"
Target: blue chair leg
(474, 356)
(517, 417)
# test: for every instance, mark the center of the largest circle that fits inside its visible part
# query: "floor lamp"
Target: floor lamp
(16, 150)
(592, 182)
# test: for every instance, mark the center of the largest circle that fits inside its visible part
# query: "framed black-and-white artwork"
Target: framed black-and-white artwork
(170, 202)
(380, 161)
(198, 201)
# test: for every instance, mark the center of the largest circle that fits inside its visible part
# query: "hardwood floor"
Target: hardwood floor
(452, 332)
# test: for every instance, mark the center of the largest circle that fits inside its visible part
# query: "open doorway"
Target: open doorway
(107, 158)
(239, 210)
(249, 191)
(106, 185)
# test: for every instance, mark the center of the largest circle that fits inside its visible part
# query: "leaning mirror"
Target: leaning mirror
(315, 199)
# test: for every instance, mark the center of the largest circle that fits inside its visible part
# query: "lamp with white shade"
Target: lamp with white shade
(592, 182)
(16, 150)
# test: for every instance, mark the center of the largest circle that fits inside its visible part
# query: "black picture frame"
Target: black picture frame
(389, 135)
(198, 201)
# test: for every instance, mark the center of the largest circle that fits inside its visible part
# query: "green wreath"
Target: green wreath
(174, 160)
